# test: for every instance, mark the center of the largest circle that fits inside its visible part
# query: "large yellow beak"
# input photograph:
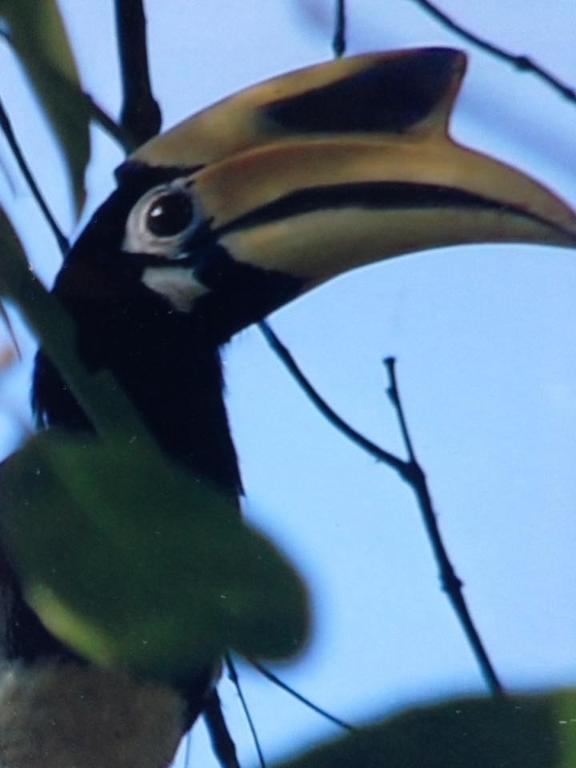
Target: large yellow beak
(350, 162)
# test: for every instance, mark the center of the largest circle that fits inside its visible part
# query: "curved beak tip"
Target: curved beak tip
(353, 159)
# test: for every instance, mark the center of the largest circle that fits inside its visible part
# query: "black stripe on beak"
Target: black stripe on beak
(389, 96)
(387, 195)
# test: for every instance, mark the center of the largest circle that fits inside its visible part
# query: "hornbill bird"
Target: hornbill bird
(241, 209)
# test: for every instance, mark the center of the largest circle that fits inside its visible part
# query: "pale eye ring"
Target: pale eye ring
(170, 214)
(162, 221)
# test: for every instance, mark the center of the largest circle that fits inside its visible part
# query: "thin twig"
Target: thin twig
(233, 675)
(394, 395)
(326, 410)
(339, 41)
(310, 704)
(140, 115)
(451, 583)
(6, 127)
(117, 132)
(520, 62)
(187, 749)
(222, 743)
(411, 472)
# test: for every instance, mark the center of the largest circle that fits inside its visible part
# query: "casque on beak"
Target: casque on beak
(350, 162)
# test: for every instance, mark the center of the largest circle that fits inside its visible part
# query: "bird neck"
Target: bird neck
(170, 371)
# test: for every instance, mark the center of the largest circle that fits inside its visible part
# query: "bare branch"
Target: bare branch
(117, 132)
(141, 115)
(233, 675)
(339, 41)
(222, 744)
(121, 136)
(451, 583)
(411, 472)
(394, 395)
(520, 62)
(6, 127)
(326, 410)
(310, 704)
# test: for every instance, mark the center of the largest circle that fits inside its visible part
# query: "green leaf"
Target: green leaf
(132, 562)
(13, 268)
(38, 35)
(520, 732)
(107, 406)
(104, 402)
(13, 262)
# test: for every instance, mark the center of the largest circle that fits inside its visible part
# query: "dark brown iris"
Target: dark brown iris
(170, 214)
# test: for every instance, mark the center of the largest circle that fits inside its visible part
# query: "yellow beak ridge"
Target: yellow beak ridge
(350, 162)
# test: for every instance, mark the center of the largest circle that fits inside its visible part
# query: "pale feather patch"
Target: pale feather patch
(61, 715)
(177, 284)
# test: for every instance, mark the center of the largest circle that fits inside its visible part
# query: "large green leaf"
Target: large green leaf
(13, 262)
(134, 563)
(13, 269)
(39, 38)
(521, 732)
(105, 404)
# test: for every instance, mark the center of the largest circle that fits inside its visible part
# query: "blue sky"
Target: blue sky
(486, 365)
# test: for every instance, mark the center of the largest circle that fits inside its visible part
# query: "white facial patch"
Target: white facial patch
(177, 284)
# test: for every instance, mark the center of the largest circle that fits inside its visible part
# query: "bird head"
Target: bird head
(283, 186)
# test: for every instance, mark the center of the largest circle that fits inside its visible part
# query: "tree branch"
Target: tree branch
(140, 115)
(222, 745)
(411, 472)
(121, 136)
(115, 131)
(451, 584)
(339, 41)
(302, 699)
(283, 353)
(99, 116)
(520, 62)
(14, 145)
(233, 675)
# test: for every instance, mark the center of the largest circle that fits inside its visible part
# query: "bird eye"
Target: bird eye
(170, 214)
